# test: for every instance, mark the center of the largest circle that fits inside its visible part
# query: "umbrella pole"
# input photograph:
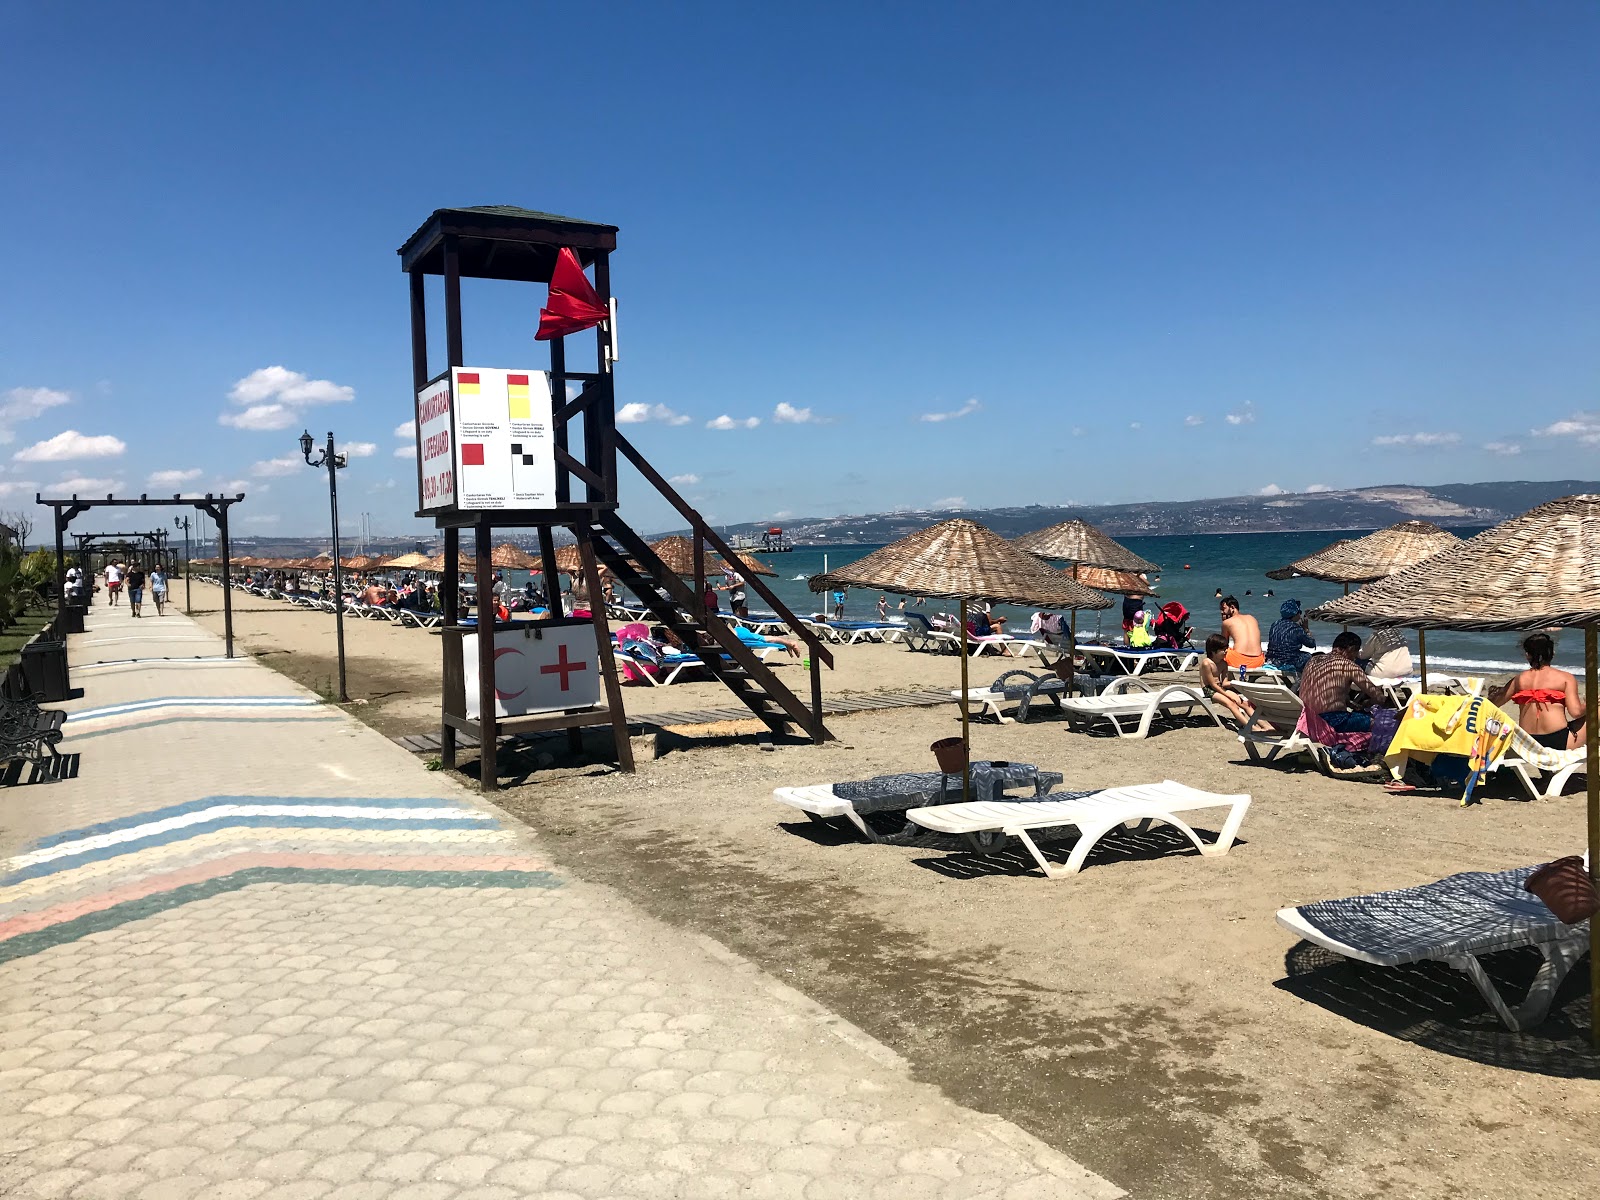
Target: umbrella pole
(1422, 656)
(1591, 673)
(966, 734)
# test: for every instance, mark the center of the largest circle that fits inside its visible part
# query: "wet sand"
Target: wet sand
(1149, 1017)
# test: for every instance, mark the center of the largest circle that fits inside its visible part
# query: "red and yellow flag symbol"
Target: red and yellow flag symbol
(517, 396)
(467, 383)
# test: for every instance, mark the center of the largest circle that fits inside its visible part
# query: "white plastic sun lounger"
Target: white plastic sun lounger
(1271, 731)
(1135, 662)
(1131, 712)
(1095, 816)
(1454, 921)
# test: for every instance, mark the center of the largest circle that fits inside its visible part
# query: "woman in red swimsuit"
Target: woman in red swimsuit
(1548, 702)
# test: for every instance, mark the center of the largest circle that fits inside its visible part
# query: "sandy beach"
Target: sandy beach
(1148, 1018)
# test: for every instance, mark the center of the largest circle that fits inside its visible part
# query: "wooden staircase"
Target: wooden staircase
(675, 605)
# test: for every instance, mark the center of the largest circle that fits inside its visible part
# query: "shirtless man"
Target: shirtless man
(1242, 630)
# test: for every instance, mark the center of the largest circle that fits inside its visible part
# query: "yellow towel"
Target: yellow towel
(1466, 725)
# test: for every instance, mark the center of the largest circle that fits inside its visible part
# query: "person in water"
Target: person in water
(1244, 632)
(1549, 705)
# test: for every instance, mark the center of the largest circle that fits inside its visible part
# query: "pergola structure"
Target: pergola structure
(523, 246)
(149, 547)
(64, 512)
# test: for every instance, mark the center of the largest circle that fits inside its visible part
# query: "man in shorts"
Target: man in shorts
(135, 581)
(114, 581)
(1244, 632)
(158, 590)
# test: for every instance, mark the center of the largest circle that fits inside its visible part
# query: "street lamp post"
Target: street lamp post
(188, 601)
(333, 462)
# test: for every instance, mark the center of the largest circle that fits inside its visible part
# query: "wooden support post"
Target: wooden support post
(61, 570)
(488, 732)
(602, 634)
(224, 548)
(1591, 680)
(558, 396)
(452, 303)
(817, 727)
(552, 576)
(419, 349)
(450, 587)
(700, 576)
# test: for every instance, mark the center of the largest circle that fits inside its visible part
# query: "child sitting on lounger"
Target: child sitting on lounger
(1216, 682)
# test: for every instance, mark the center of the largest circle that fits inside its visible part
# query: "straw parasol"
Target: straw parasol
(359, 562)
(435, 565)
(749, 564)
(1081, 542)
(321, 563)
(962, 560)
(1376, 556)
(678, 554)
(405, 562)
(1528, 573)
(1102, 579)
(1289, 572)
(512, 557)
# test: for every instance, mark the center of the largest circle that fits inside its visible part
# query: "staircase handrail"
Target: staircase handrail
(698, 525)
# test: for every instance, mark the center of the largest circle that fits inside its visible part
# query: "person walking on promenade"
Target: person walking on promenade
(113, 582)
(158, 590)
(136, 589)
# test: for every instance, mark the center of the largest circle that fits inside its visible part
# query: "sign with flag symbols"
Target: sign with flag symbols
(486, 441)
(539, 666)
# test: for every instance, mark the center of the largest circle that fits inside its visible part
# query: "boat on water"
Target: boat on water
(772, 541)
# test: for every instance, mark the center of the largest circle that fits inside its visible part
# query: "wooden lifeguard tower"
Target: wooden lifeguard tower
(507, 448)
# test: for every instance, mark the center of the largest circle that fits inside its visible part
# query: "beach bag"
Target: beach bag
(1385, 723)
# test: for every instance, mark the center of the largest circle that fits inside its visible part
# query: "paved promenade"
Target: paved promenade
(254, 950)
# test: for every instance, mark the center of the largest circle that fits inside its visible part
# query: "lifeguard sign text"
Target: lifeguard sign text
(436, 447)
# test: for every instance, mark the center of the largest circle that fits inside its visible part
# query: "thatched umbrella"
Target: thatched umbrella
(359, 562)
(435, 565)
(1531, 572)
(512, 557)
(1378, 556)
(1289, 572)
(678, 555)
(405, 562)
(1124, 583)
(1081, 542)
(962, 560)
(749, 564)
(321, 563)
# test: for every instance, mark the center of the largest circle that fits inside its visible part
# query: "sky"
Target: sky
(870, 256)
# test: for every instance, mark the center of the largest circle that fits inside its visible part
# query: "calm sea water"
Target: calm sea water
(1192, 569)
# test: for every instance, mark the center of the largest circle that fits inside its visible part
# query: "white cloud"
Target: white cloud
(359, 449)
(287, 465)
(637, 414)
(788, 414)
(1078, 431)
(174, 478)
(79, 485)
(1319, 487)
(386, 485)
(406, 429)
(259, 518)
(17, 487)
(1584, 426)
(782, 516)
(1417, 439)
(1245, 416)
(71, 444)
(405, 451)
(683, 480)
(1135, 424)
(1271, 489)
(24, 403)
(1504, 449)
(727, 422)
(966, 410)
(1194, 419)
(274, 397)
(950, 502)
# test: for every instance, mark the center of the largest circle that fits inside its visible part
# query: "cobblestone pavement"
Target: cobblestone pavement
(255, 950)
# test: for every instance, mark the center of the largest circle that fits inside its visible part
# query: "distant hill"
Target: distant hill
(1451, 504)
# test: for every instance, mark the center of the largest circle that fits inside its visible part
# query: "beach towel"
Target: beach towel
(1314, 727)
(1468, 727)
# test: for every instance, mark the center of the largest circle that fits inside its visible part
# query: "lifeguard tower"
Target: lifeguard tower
(509, 447)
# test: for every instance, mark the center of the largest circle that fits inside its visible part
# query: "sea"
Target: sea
(1193, 568)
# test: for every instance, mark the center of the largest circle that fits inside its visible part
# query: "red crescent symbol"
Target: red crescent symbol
(498, 655)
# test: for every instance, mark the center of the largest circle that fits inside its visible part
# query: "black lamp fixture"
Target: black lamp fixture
(333, 461)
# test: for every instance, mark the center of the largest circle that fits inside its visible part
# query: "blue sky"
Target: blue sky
(1132, 251)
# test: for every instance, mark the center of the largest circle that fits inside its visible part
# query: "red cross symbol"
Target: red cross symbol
(563, 668)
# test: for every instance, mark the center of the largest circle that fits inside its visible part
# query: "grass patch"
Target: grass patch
(14, 637)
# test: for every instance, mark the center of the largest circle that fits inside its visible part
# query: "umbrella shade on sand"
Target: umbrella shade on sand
(962, 560)
(1081, 542)
(1532, 572)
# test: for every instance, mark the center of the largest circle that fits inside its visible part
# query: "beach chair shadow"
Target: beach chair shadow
(1128, 844)
(20, 773)
(1434, 1006)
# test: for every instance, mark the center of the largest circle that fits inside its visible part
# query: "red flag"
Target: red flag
(573, 304)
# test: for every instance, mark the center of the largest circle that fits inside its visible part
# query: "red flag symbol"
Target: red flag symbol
(573, 304)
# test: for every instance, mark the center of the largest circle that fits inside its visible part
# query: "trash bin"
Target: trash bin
(44, 663)
(71, 619)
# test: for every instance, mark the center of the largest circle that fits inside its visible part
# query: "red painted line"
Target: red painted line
(153, 884)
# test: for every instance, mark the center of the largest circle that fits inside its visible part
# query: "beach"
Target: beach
(1148, 1018)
